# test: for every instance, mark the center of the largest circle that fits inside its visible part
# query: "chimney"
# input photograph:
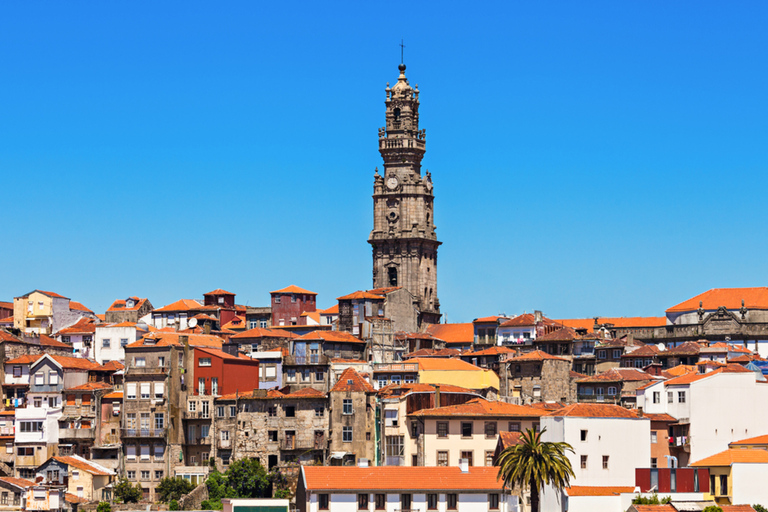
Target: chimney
(437, 396)
(362, 463)
(640, 412)
(537, 316)
(464, 465)
(207, 328)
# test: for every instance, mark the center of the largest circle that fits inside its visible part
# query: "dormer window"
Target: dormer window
(130, 303)
(150, 341)
(221, 300)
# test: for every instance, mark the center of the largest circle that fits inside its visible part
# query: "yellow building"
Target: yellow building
(439, 370)
(736, 476)
(39, 312)
(759, 443)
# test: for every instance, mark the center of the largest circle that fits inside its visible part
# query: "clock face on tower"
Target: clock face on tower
(392, 183)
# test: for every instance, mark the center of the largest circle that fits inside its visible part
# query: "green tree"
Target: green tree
(245, 478)
(173, 488)
(651, 500)
(104, 506)
(173, 505)
(532, 464)
(127, 493)
(713, 508)
(759, 508)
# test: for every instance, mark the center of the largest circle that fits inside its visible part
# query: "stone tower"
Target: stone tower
(403, 236)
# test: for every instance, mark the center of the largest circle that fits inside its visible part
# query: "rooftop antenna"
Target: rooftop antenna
(402, 47)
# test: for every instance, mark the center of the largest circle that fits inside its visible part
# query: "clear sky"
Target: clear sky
(589, 158)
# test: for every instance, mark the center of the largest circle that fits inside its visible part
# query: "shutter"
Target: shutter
(86, 399)
(159, 388)
(131, 390)
(70, 399)
(145, 388)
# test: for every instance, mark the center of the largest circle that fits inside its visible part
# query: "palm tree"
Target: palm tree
(532, 463)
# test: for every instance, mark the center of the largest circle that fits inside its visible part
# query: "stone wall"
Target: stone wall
(551, 376)
(195, 499)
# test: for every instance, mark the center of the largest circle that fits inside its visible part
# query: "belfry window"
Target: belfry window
(397, 115)
(392, 274)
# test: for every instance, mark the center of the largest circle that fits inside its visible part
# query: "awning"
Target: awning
(338, 455)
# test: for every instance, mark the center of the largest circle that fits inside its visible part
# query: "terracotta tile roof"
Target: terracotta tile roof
(76, 306)
(754, 298)
(71, 498)
(619, 375)
(47, 341)
(119, 305)
(236, 323)
(218, 291)
(360, 295)
(259, 332)
(82, 465)
(737, 508)
(681, 369)
(644, 351)
(74, 363)
(577, 375)
(430, 352)
(415, 387)
(480, 407)
(595, 411)
(167, 339)
(453, 333)
(443, 363)
(314, 315)
(397, 478)
(7, 320)
(562, 334)
(385, 290)
(18, 482)
(350, 380)
(121, 324)
(489, 319)
(84, 325)
(294, 289)
(583, 490)
(744, 358)
(114, 394)
(180, 305)
(734, 456)
(492, 351)
(112, 366)
(654, 508)
(342, 360)
(91, 386)
(223, 355)
(689, 348)
(24, 359)
(334, 336)
(619, 322)
(536, 355)
(752, 440)
(508, 439)
(305, 393)
(524, 320)
(333, 310)
(695, 376)
(6, 336)
(6, 305)
(50, 294)
(660, 417)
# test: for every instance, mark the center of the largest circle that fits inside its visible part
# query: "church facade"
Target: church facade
(403, 238)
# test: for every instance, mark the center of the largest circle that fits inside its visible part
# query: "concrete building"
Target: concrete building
(524, 329)
(394, 489)
(132, 310)
(289, 303)
(600, 436)
(403, 237)
(353, 420)
(179, 313)
(111, 340)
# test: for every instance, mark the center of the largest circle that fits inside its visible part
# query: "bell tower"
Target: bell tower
(403, 237)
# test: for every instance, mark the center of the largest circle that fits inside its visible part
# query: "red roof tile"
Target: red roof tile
(333, 310)
(114, 394)
(415, 387)
(754, 298)
(508, 439)
(7, 320)
(76, 306)
(218, 291)
(112, 366)
(84, 325)
(360, 295)
(536, 355)
(443, 363)
(752, 440)
(619, 375)
(397, 478)
(479, 407)
(47, 341)
(6, 336)
(453, 333)
(489, 319)
(119, 305)
(166, 339)
(350, 380)
(82, 465)
(24, 359)
(260, 332)
(294, 289)
(334, 336)
(75, 363)
(594, 411)
(305, 393)
(180, 305)
(18, 482)
(660, 417)
(734, 456)
(492, 351)
(91, 386)
(583, 490)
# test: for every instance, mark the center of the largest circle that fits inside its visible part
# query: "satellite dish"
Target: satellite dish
(192, 323)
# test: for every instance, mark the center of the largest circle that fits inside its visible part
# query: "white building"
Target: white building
(733, 392)
(396, 489)
(111, 338)
(609, 443)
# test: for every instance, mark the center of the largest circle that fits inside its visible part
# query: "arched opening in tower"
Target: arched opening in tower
(392, 276)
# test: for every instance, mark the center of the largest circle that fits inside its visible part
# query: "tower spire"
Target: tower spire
(402, 47)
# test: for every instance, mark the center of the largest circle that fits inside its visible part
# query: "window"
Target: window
(382, 380)
(653, 437)
(192, 406)
(319, 375)
(145, 390)
(514, 426)
(466, 429)
(611, 390)
(723, 485)
(381, 501)
(346, 434)
(654, 462)
(290, 375)
(220, 411)
(201, 385)
(405, 502)
(270, 372)
(442, 458)
(206, 409)
(583, 462)
(38, 401)
(432, 501)
(616, 353)
(144, 475)
(181, 359)
(290, 411)
(306, 375)
(490, 429)
(489, 458)
(272, 436)
(204, 361)
(347, 407)
(493, 501)
(601, 354)
(442, 429)
(53, 401)
(414, 429)
(139, 362)
(605, 461)
(31, 426)
(670, 397)
(159, 421)
(409, 379)
(123, 342)
(160, 361)
(131, 475)
(451, 500)
(105, 343)
(225, 435)
(656, 397)
(159, 451)
(469, 455)
(145, 452)
(396, 379)
(159, 390)
(8, 447)
(25, 451)
(39, 379)
(362, 501)
(681, 397)
(583, 435)
(17, 371)
(272, 411)
(322, 499)
(130, 452)
(130, 420)
(319, 411)
(232, 411)
(158, 474)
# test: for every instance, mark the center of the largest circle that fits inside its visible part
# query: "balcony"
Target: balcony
(201, 441)
(225, 443)
(196, 415)
(301, 360)
(612, 398)
(142, 432)
(77, 433)
(146, 370)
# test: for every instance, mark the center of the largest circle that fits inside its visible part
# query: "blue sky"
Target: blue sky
(600, 158)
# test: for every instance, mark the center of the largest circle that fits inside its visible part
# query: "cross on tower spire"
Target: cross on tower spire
(402, 46)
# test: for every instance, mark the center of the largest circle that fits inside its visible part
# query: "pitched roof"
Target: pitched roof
(660, 417)
(416, 387)
(595, 411)
(72, 363)
(235, 323)
(407, 478)
(112, 366)
(218, 291)
(754, 298)
(260, 332)
(752, 440)
(82, 464)
(695, 376)
(644, 351)
(620, 322)
(294, 289)
(734, 456)
(334, 336)
(305, 393)
(114, 394)
(84, 325)
(333, 310)
(492, 351)
(561, 334)
(508, 439)
(453, 333)
(536, 355)
(361, 294)
(71, 498)
(443, 363)
(524, 320)
(77, 306)
(619, 375)
(480, 407)
(224, 355)
(689, 348)
(350, 380)
(180, 305)
(7, 320)
(593, 490)
(489, 319)
(120, 305)
(47, 341)
(49, 294)
(6, 336)
(681, 369)
(167, 339)
(430, 352)
(18, 482)
(24, 359)
(91, 386)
